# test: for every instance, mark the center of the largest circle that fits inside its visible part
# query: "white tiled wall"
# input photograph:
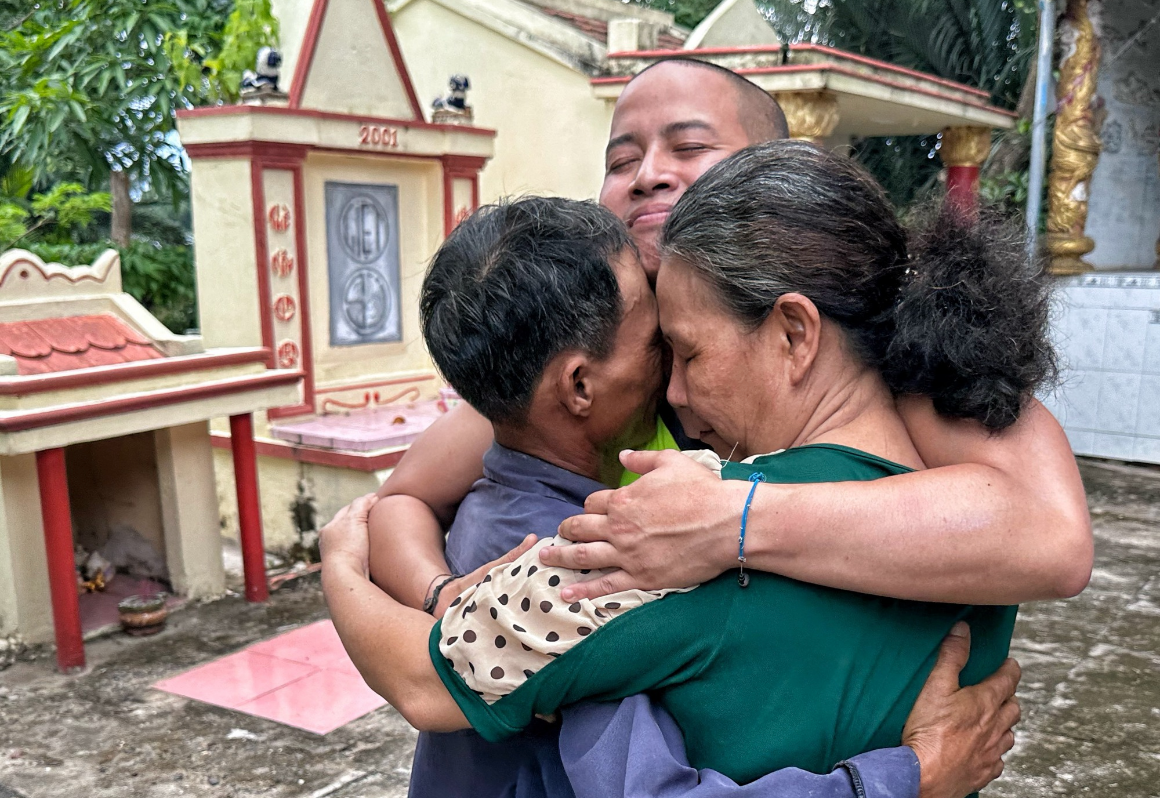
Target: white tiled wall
(1106, 330)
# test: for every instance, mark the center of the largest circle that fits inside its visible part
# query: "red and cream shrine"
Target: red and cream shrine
(104, 431)
(315, 212)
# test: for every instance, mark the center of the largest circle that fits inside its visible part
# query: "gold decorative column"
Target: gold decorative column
(811, 115)
(963, 151)
(1075, 144)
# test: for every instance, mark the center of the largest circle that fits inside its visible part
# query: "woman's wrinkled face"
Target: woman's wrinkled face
(727, 382)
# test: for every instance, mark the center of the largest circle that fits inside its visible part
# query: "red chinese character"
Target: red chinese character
(461, 214)
(279, 216)
(282, 263)
(287, 355)
(284, 307)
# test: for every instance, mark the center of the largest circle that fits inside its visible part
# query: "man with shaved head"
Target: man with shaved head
(1019, 532)
(674, 121)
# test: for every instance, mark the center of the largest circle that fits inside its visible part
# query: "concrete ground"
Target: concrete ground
(1090, 693)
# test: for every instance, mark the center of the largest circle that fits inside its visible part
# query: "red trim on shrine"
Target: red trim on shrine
(310, 44)
(789, 69)
(25, 385)
(356, 461)
(804, 47)
(459, 167)
(249, 507)
(963, 183)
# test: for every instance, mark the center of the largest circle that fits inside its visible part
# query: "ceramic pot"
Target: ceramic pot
(143, 615)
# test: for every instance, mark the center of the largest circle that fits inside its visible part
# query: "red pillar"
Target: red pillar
(58, 544)
(249, 508)
(963, 187)
(963, 150)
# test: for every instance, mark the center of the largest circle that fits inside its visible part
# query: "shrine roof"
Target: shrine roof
(599, 29)
(43, 346)
(874, 98)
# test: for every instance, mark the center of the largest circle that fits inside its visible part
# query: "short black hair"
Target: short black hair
(760, 114)
(513, 286)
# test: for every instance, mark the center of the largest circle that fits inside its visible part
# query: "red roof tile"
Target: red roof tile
(596, 28)
(599, 29)
(76, 342)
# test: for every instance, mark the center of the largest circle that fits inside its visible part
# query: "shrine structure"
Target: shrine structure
(546, 74)
(316, 209)
(104, 425)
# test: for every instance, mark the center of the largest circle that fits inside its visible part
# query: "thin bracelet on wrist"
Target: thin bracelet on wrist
(743, 577)
(430, 603)
(430, 585)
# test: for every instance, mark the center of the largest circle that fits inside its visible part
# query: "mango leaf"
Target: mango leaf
(19, 118)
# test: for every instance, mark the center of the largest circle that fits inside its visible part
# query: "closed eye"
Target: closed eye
(620, 164)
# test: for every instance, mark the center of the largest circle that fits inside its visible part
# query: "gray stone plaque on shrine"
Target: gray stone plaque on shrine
(363, 263)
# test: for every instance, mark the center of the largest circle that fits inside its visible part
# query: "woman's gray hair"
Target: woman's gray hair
(962, 318)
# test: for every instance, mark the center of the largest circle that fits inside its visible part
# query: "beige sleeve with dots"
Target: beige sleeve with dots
(506, 628)
(509, 626)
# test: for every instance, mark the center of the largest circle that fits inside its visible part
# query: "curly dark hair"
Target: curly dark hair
(952, 310)
(972, 318)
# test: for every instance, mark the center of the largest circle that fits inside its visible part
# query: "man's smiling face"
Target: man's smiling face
(671, 124)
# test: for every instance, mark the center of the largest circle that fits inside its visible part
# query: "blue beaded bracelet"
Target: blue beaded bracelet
(743, 577)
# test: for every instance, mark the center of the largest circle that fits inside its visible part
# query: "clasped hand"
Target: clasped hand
(674, 527)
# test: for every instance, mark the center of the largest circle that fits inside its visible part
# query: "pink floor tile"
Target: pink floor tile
(302, 678)
(317, 644)
(319, 703)
(232, 681)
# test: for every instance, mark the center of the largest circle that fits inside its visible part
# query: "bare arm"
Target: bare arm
(440, 467)
(386, 640)
(420, 500)
(1003, 520)
(407, 549)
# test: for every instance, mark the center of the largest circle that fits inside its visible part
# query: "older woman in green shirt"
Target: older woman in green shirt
(796, 307)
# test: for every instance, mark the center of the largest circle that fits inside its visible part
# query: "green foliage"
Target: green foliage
(17, 182)
(87, 86)
(1008, 190)
(1004, 183)
(13, 222)
(983, 43)
(217, 65)
(162, 279)
(159, 277)
(67, 206)
(54, 217)
(906, 166)
(987, 44)
(687, 13)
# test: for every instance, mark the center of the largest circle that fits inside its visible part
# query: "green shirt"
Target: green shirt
(662, 439)
(779, 674)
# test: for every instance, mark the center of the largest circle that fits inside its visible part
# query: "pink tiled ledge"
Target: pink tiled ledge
(362, 430)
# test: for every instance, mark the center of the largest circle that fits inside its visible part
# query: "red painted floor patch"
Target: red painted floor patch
(302, 678)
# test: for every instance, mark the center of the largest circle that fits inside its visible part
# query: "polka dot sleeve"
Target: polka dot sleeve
(502, 631)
